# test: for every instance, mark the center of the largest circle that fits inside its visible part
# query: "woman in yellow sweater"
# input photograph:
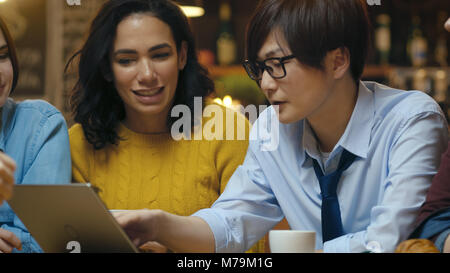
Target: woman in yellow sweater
(137, 64)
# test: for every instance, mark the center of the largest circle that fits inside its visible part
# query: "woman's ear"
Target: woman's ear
(182, 55)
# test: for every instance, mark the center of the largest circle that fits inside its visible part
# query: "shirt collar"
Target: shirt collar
(356, 137)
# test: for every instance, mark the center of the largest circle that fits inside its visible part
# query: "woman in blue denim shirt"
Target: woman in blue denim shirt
(34, 134)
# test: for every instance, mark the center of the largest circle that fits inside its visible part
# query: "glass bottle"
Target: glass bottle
(441, 91)
(441, 52)
(383, 38)
(417, 44)
(226, 44)
(440, 86)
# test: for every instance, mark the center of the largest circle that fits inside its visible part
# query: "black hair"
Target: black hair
(95, 102)
(312, 28)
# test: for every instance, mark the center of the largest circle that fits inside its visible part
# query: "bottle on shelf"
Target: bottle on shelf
(383, 38)
(441, 91)
(226, 43)
(417, 44)
(441, 52)
(440, 86)
(421, 81)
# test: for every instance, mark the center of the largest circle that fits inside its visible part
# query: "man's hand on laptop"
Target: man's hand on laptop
(153, 247)
(140, 225)
(9, 241)
(7, 167)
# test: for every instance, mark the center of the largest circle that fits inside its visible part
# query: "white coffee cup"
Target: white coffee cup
(292, 241)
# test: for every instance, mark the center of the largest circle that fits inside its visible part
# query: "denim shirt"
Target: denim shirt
(34, 134)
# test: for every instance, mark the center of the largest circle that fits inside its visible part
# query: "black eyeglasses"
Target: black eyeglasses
(274, 66)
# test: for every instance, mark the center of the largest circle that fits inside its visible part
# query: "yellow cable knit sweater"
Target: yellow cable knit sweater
(156, 172)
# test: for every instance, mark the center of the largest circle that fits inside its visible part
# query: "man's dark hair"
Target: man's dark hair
(312, 28)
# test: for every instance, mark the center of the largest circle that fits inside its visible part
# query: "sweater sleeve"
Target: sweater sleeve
(81, 152)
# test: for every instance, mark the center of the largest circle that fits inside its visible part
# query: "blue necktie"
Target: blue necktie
(331, 214)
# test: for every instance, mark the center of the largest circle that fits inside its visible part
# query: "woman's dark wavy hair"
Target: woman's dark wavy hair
(12, 53)
(312, 28)
(95, 102)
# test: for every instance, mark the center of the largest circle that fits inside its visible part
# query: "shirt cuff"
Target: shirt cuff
(440, 240)
(216, 226)
(337, 245)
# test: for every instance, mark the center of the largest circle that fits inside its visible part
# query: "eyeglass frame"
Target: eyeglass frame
(247, 65)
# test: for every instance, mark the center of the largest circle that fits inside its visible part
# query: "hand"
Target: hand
(7, 168)
(9, 241)
(447, 25)
(153, 247)
(177, 233)
(446, 248)
(140, 225)
(416, 246)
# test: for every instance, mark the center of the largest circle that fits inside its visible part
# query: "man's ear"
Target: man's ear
(341, 61)
(182, 55)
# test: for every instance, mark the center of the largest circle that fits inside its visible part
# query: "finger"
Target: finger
(153, 247)
(137, 241)
(117, 214)
(447, 25)
(7, 161)
(10, 238)
(5, 191)
(6, 174)
(119, 217)
(5, 247)
(125, 218)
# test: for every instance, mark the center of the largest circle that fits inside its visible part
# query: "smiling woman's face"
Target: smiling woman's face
(145, 65)
(6, 70)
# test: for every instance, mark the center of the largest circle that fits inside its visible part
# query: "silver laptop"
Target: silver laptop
(69, 218)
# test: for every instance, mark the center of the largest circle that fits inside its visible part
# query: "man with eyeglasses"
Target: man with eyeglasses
(274, 66)
(354, 160)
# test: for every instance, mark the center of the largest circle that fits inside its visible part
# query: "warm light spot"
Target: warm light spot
(218, 101)
(228, 101)
(192, 11)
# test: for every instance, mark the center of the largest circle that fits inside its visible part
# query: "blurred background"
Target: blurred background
(410, 48)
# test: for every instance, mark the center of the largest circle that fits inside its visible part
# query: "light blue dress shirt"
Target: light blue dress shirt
(398, 137)
(35, 135)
